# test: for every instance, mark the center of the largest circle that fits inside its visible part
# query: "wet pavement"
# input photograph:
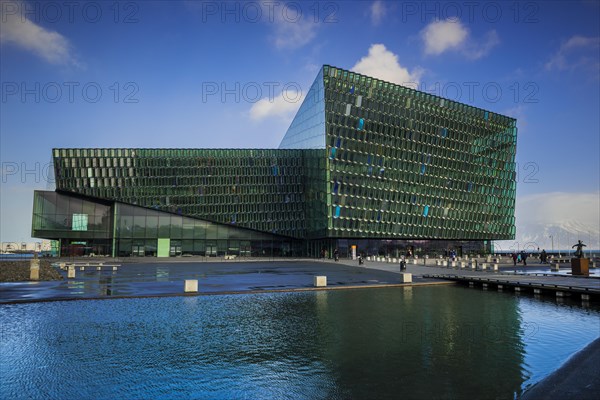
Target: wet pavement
(156, 278)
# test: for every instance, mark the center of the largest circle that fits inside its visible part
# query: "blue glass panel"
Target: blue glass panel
(336, 186)
(338, 142)
(361, 124)
(307, 130)
(338, 209)
(422, 169)
(332, 156)
(426, 211)
(352, 89)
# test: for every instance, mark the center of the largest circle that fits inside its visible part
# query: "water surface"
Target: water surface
(425, 342)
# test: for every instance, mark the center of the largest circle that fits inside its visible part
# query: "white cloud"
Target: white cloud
(566, 216)
(293, 27)
(578, 51)
(46, 44)
(382, 64)
(440, 36)
(377, 11)
(475, 50)
(450, 34)
(283, 106)
(291, 35)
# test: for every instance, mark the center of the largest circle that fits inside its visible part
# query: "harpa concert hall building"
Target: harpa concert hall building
(365, 165)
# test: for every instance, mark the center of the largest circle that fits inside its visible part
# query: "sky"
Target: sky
(227, 74)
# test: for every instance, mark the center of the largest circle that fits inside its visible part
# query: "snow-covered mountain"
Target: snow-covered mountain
(562, 218)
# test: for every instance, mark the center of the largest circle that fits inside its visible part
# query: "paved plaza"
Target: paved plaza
(155, 277)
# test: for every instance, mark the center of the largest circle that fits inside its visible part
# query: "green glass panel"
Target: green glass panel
(163, 247)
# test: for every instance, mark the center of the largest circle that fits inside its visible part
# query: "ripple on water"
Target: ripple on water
(444, 342)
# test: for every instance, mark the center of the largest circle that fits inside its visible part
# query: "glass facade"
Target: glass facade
(362, 160)
(253, 188)
(307, 130)
(85, 226)
(407, 164)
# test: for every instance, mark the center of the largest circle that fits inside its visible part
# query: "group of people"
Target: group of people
(519, 257)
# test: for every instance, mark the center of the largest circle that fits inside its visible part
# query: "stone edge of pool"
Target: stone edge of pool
(230, 292)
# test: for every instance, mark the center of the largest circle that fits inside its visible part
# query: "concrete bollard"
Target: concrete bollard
(34, 274)
(62, 265)
(517, 289)
(484, 266)
(471, 284)
(463, 264)
(438, 262)
(405, 277)
(114, 268)
(34, 269)
(394, 260)
(320, 281)
(445, 263)
(495, 267)
(489, 259)
(560, 294)
(485, 286)
(473, 265)
(585, 297)
(190, 286)
(98, 268)
(453, 264)
(71, 272)
(500, 288)
(555, 267)
(537, 291)
(82, 268)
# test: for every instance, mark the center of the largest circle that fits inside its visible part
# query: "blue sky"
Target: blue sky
(232, 74)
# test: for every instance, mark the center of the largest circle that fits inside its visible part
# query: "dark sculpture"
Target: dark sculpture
(579, 251)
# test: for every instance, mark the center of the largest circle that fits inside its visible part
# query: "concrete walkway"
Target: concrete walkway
(166, 278)
(504, 269)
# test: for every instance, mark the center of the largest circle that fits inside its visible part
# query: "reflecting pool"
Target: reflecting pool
(422, 342)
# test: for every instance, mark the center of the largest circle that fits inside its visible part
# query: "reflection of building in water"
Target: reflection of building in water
(162, 274)
(106, 282)
(365, 164)
(439, 342)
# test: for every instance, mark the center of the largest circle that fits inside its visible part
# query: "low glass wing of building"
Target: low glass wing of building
(87, 226)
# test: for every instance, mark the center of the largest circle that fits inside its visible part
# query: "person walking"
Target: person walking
(514, 257)
(524, 258)
(543, 256)
(336, 255)
(402, 264)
